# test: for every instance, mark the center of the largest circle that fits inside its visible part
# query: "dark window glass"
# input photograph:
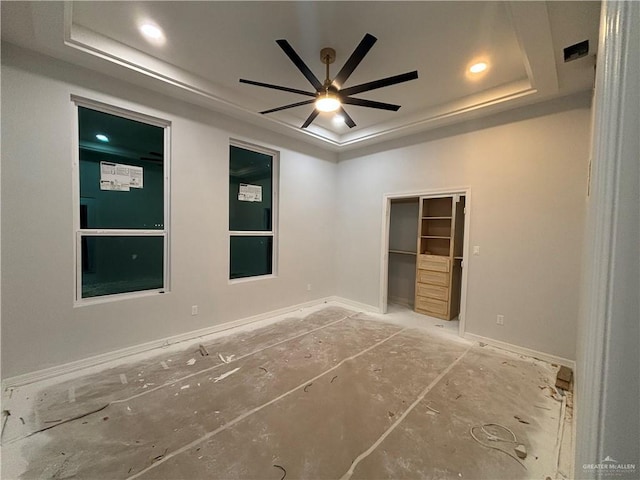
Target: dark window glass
(134, 199)
(119, 264)
(250, 190)
(121, 171)
(251, 256)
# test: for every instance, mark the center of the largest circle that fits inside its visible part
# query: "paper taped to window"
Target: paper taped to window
(119, 177)
(250, 193)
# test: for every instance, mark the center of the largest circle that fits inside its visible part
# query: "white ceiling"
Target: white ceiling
(211, 45)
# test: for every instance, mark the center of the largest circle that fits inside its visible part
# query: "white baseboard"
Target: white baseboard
(353, 304)
(547, 357)
(97, 360)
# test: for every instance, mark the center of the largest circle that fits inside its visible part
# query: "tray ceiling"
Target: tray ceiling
(209, 46)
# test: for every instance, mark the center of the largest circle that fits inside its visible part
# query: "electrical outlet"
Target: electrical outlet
(500, 320)
(308, 287)
(194, 309)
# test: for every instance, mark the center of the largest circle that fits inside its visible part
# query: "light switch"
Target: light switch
(476, 250)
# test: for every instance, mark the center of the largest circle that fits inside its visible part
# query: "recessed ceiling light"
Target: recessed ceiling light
(152, 32)
(102, 138)
(478, 67)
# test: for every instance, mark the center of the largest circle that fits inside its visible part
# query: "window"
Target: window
(252, 203)
(121, 234)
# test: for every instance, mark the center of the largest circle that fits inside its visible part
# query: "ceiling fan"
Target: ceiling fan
(329, 96)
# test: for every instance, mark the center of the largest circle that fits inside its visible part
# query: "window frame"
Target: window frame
(275, 208)
(79, 233)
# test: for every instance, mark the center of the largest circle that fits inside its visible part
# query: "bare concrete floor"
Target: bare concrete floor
(334, 395)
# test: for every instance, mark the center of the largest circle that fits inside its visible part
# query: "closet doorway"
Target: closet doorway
(403, 231)
(424, 248)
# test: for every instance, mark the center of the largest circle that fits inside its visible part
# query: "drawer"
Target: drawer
(433, 291)
(434, 278)
(431, 305)
(434, 262)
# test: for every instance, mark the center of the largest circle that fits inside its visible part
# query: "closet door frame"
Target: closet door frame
(384, 253)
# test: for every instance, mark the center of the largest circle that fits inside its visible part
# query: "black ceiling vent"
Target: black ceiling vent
(576, 51)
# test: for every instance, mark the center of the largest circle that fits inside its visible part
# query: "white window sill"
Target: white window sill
(85, 302)
(251, 279)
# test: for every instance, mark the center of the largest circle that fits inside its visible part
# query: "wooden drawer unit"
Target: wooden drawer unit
(439, 255)
(433, 278)
(433, 291)
(435, 263)
(432, 306)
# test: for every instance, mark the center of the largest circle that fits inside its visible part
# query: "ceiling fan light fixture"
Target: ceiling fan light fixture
(328, 102)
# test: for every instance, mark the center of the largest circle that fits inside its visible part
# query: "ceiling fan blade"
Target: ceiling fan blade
(354, 60)
(278, 87)
(370, 103)
(297, 61)
(310, 118)
(384, 82)
(347, 119)
(305, 102)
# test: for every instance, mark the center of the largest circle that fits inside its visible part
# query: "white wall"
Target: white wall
(608, 416)
(527, 171)
(40, 326)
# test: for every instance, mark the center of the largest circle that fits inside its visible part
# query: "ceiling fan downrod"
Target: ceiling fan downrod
(327, 100)
(328, 56)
